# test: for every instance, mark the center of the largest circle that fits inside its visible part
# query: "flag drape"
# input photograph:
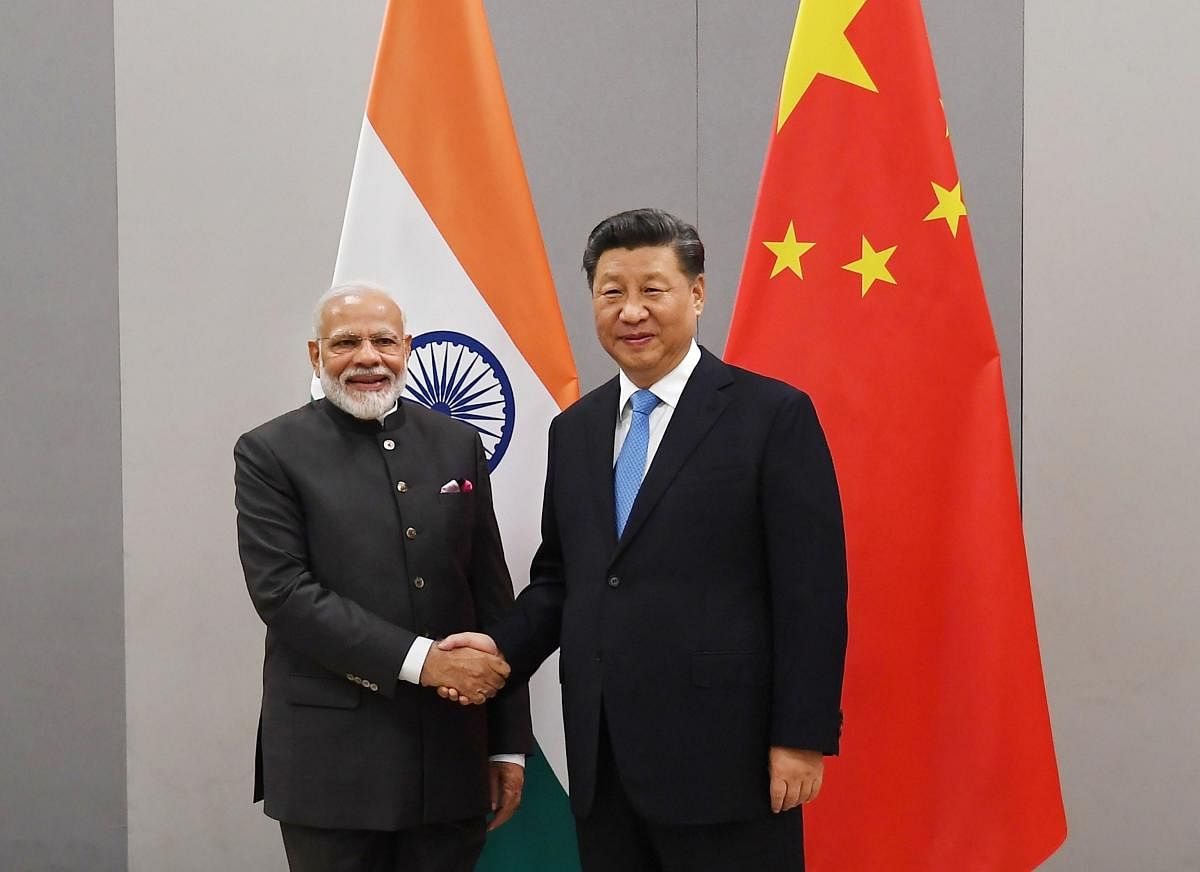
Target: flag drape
(860, 286)
(439, 213)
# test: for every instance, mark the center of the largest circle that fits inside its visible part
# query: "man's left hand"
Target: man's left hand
(507, 782)
(796, 776)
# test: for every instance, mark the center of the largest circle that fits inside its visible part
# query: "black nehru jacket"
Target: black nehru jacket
(350, 551)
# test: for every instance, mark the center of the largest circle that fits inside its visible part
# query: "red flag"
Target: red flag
(860, 286)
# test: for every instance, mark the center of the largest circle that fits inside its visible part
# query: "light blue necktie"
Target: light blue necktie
(631, 461)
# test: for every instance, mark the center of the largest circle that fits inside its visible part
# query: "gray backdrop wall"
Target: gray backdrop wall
(62, 679)
(234, 136)
(1112, 320)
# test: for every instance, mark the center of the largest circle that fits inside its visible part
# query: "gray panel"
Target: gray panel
(237, 125)
(978, 53)
(977, 47)
(603, 100)
(62, 719)
(1112, 425)
(741, 66)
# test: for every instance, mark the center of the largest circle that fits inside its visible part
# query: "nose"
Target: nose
(633, 310)
(367, 355)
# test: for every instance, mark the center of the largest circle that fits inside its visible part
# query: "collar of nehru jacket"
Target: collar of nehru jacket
(346, 421)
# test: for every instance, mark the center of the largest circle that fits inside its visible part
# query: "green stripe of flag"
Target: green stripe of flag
(541, 835)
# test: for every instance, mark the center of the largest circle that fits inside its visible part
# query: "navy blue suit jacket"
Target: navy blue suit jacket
(716, 627)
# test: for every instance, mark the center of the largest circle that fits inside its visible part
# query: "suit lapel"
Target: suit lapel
(600, 428)
(700, 405)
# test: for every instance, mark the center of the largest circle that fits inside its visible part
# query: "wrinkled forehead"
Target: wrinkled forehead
(644, 263)
(363, 313)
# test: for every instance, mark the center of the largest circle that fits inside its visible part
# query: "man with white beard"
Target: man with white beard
(366, 530)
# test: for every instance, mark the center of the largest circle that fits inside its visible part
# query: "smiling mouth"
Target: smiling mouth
(368, 382)
(636, 339)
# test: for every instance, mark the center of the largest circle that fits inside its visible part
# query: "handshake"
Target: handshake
(466, 667)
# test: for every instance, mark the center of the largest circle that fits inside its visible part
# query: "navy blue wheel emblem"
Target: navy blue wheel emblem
(458, 376)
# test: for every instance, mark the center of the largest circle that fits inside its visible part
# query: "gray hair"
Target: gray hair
(350, 289)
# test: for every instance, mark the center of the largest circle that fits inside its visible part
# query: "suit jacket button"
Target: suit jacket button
(614, 582)
(388, 444)
(410, 533)
(402, 486)
(418, 582)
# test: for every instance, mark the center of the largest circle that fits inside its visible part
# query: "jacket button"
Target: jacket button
(388, 444)
(614, 582)
(410, 533)
(418, 582)
(402, 486)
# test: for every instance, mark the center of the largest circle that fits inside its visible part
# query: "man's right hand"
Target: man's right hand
(474, 675)
(478, 643)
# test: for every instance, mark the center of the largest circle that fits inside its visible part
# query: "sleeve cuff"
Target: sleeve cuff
(414, 660)
(519, 759)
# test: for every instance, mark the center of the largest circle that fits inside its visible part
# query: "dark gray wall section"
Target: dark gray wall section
(670, 104)
(979, 51)
(603, 98)
(62, 715)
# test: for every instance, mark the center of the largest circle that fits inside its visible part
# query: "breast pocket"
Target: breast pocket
(714, 478)
(455, 515)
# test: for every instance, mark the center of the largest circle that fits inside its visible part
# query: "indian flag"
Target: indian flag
(440, 214)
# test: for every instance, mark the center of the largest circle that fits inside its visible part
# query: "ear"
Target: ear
(314, 356)
(698, 294)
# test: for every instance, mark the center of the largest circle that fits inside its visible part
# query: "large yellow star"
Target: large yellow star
(950, 206)
(872, 266)
(819, 46)
(788, 253)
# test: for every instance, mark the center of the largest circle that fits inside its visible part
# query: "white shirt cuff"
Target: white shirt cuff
(519, 759)
(414, 660)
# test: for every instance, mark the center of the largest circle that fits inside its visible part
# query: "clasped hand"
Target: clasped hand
(466, 667)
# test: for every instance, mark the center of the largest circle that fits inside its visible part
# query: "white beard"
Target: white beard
(367, 406)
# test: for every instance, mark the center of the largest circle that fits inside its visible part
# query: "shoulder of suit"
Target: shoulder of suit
(427, 419)
(765, 387)
(597, 398)
(288, 424)
(311, 418)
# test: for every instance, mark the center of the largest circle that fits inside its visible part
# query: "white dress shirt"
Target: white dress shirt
(668, 390)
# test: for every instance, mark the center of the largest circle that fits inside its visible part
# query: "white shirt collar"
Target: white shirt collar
(668, 388)
(383, 417)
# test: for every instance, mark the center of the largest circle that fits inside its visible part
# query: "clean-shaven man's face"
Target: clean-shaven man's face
(646, 310)
(362, 353)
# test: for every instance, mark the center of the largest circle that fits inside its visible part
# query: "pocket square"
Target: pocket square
(457, 486)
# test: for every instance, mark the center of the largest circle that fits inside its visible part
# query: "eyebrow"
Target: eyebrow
(656, 274)
(346, 331)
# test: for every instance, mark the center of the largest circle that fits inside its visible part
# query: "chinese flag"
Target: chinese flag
(860, 286)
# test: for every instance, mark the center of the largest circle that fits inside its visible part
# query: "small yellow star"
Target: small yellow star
(872, 266)
(788, 253)
(820, 47)
(950, 206)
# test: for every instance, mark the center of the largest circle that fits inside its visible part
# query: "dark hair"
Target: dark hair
(639, 228)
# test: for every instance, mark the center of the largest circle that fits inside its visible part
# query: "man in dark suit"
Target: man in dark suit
(366, 530)
(692, 569)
